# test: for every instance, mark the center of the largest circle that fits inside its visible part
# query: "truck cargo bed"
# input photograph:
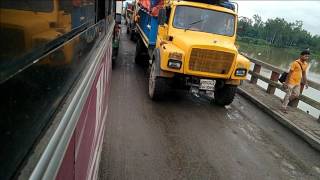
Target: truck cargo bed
(148, 27)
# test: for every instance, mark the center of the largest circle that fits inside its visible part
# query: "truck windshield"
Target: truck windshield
(28, 5)
(204, 20)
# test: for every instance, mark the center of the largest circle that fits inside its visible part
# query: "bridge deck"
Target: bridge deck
(185, 137)
(297, 120)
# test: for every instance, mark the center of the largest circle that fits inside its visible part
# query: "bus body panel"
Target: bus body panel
(85, 146)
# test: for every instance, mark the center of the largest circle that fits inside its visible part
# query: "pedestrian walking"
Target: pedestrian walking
(295, 78)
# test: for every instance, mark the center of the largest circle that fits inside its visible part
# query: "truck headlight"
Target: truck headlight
(240, 72)
(174, 64)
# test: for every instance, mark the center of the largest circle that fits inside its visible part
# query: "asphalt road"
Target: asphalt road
(185, 137)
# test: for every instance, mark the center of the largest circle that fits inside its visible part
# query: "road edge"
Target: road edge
(309, 138)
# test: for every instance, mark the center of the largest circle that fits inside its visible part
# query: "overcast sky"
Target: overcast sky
(307, 11)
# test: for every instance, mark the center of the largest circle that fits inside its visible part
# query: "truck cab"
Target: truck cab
(195, 45)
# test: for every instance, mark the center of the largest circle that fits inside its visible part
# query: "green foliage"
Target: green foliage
(278, 33)
(252, 40)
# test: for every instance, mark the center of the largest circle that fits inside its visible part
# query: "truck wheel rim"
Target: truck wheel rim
(152, 80)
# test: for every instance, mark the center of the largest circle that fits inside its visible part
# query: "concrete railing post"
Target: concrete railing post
(274, 77)
(256, 69)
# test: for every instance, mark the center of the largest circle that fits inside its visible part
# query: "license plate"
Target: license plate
(207, 84)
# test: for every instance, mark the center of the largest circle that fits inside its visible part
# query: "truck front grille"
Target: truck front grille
(210, 61)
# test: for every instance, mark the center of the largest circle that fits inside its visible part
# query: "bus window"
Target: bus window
(44, 47)
(31, 28)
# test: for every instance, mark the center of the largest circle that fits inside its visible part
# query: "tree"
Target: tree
(278, 32)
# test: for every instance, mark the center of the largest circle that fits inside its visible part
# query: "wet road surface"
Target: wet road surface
(185, 137)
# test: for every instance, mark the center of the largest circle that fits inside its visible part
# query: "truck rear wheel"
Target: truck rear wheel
(133, 36)
(157, 85)
(128, 30)
(225, 95)
(138, 57)
(141, 55)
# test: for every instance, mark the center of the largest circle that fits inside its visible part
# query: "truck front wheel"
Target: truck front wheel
(225, 95)
(157, 85)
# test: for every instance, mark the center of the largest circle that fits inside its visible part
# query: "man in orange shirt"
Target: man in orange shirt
(296, 76)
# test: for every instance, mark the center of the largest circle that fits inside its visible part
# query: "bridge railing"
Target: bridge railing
(273, 83)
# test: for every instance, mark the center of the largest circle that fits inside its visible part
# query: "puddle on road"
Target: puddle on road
(293, 172)
(233, 114)
(250, 135)
(290, 165)
(317, 169)
(294, 168)
(251, 131)
(287, 165)
(276, 155)
(241, 124)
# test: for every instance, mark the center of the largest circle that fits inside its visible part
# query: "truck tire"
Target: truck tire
(157, 85)
(225, 95)
(128, 30)
(141, 55)
(138, 56)
(132, 36)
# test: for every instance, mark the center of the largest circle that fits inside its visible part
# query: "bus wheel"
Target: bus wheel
(157, 85)
(225, 95)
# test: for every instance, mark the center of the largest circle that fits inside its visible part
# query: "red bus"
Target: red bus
(55, 68)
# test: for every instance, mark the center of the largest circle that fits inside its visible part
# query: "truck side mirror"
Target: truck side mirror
(162, 16)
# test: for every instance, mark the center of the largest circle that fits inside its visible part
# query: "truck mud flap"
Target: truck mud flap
(156, 59)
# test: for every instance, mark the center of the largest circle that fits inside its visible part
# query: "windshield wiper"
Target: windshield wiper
(190, 25)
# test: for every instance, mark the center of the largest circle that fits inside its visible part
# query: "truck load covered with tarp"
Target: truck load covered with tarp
(152, 6)
(149, 10)
(148, 20)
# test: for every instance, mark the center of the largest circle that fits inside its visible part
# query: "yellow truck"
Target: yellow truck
(190, 44)
(130, 17)
(26, 25)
